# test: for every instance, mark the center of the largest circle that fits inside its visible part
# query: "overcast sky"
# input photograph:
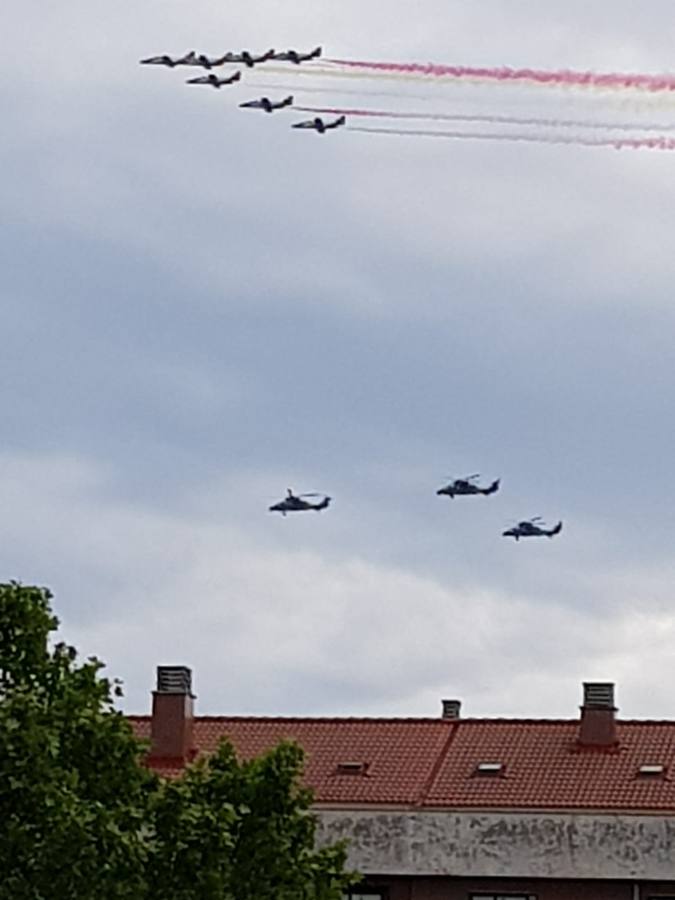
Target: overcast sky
(202, 307)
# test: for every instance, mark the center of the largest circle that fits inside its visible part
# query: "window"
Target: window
(352, 767)
(489, 768)
(503, 897)
(364, 893)
(364, 896)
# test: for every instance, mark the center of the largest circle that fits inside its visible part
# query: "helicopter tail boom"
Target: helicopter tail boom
(492, 489)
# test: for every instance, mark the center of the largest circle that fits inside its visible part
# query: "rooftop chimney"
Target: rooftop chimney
(172, 715)
(598, 725)
(451, 709)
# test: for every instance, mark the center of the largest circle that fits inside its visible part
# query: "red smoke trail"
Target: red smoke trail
(639, 81)
(494, 120)
(646, 143)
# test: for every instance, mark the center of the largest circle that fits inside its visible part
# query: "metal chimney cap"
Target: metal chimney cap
(598, 695)
(451, 709)
(174, 680)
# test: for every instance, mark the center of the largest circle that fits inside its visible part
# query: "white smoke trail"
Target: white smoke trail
(399, 95)
(493, 119)
(644, 143)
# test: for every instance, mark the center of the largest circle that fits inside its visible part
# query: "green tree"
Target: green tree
(243, 830)
(81, 817)
(73, 790)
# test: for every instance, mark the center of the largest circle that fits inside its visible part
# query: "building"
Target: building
(456, 808)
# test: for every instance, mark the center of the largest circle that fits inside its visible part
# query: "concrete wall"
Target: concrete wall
(506, 845)
(462, 889)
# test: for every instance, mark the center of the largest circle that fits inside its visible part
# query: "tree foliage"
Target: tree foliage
(81, 816)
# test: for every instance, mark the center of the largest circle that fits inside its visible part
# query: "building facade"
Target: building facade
(467, 809)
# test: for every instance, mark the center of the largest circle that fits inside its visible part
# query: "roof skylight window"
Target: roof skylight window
(352, 767)
(489, 768)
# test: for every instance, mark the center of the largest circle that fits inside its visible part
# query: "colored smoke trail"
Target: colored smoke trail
(489, 119)
(362, 92)
(561, 78)
(645, 143)
(337, 72)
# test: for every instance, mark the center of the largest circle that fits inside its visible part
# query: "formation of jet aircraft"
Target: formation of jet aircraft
(245, 56)
(208, 62)
(248, 59)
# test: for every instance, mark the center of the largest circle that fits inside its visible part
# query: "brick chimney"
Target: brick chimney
(598, 725)
(172, 716)
(451, 709)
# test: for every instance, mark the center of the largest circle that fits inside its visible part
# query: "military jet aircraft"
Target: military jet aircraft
(188, 60)
(532, 528)
(297, 58)
(319, 125)
(247, 58)
(296, 503)
(208, 62)
(266, 104)
(214, 81)
(461, 486)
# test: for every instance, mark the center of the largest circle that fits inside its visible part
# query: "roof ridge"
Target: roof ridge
(418, 720)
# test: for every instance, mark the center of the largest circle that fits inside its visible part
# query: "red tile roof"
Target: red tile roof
(432, 762)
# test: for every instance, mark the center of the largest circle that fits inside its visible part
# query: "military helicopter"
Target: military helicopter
(295, 503)
(463, 486)
(532, 528)
(214, 81)
(266, 104)
(297, 58)
(319, 125)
